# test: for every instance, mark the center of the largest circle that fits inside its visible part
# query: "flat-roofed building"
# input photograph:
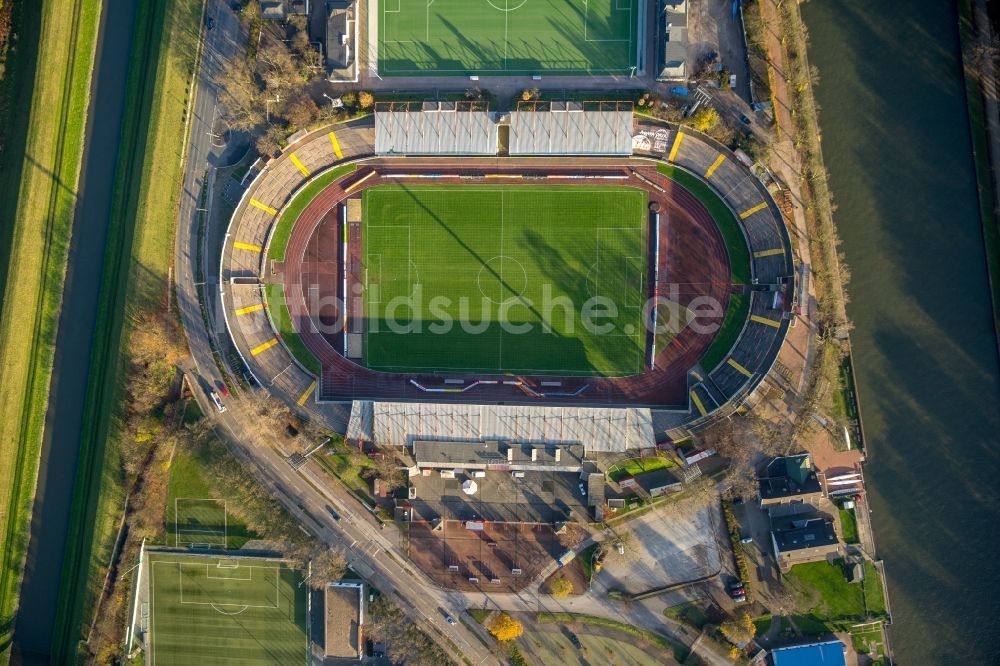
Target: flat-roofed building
(802, 537)
(340, 43)
(571, 128)
(343, 635)
(498, 456)
(674, 42)
(434, 128)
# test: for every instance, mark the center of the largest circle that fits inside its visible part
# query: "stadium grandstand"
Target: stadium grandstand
(571, 128)
(597, 429)
(434, 128)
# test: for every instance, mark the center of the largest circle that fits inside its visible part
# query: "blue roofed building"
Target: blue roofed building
(827, 653)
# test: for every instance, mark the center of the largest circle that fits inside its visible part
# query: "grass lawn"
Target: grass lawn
(554, 647)
(651, 637)
(347, 466)
(810, 625)
(867, 639)
(498, 278)
(849, 526)
(732, 234)
(634, 466)
(204, 613)
(290, 215)
(458, 37)
(874, 597)
(762, 625)
(188, 488)
(39, 221)
(689, 613)
(278, 309)
(827, 599)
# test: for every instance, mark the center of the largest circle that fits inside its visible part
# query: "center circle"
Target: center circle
(502, 275)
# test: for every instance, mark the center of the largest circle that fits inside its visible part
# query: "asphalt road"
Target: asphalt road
(302, 494)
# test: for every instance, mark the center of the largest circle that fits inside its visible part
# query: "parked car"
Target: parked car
(209, 22)
(746, 539)
(449, 619)
(330, 510)
(583, 491)
(218, 402)
(575, 641)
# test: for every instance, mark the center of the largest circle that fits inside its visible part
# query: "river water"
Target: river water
(33, 628)
(896, 143)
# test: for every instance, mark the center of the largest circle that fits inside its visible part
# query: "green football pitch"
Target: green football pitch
(464, 37)
(525, 279)
(211, 610)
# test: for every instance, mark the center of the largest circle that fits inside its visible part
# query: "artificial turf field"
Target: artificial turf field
(531, 256)
(462, 37)
(201, 613)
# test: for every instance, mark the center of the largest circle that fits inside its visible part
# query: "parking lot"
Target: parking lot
(509, 554)
(671, 544)
(537, 497)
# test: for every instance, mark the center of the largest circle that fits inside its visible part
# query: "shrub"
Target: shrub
(365, 99)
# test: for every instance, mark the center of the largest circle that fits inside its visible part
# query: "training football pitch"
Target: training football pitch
(212, 610)
(464, 37)
(525, 279)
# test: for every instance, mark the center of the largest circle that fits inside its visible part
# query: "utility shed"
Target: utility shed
(434, 128)
(571, 128)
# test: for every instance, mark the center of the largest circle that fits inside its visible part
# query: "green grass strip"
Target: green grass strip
(277, 306)
(736, 316)
(659, 640)
(283, 227)
(729, 226)
(849, 526)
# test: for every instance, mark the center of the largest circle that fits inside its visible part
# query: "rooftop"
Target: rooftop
(339, 40)
(803, 530)
(567, 128)
(343, 620)
(660, 478)
(789, 476)
(434, 128)
(597, 429)
(827, 653)
(481, 454)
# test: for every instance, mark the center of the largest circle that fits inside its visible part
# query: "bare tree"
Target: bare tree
(301, 111)
(240, 95)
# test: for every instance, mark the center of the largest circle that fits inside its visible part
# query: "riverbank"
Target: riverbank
(984, 125)
(39, 247)
(134, 285)
(896, 141)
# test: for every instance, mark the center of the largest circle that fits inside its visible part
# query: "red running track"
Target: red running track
(693, 263)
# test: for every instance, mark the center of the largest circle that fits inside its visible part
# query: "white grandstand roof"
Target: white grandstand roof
(567, 129)
(436, 128)
(598, 429)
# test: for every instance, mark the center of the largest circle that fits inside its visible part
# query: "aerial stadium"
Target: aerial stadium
(563, 255)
